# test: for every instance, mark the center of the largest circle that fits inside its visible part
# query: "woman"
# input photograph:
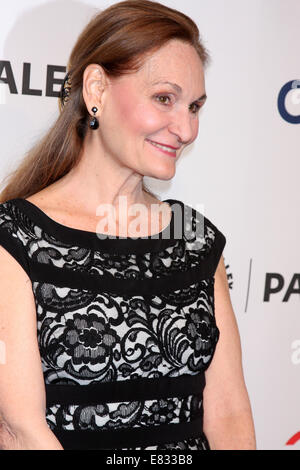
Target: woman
(128, 341)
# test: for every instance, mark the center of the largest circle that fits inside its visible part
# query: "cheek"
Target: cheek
(138, 118)
(146, 119)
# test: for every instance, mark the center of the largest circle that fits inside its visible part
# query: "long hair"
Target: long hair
(119, 39)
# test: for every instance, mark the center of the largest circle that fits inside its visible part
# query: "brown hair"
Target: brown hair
(119, 39)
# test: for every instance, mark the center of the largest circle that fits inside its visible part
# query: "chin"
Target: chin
(165, 174)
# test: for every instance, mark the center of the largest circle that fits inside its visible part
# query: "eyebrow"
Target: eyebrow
(178, 88)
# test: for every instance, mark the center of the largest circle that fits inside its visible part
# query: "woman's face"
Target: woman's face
(140, 108)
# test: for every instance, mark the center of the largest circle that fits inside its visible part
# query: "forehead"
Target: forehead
(175, 61)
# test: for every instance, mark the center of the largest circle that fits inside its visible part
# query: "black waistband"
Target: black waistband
(125, 390)
(129, 437)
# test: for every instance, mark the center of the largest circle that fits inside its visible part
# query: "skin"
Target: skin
(113, 162)
(117, 156)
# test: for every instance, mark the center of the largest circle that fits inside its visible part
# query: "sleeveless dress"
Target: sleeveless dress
(125, 326)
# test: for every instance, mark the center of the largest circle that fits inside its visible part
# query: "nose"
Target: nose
(184, 126)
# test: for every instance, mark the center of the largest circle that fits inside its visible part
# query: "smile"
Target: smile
(163, 148)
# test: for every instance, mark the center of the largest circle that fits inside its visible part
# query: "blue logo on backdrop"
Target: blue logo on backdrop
(294, 84)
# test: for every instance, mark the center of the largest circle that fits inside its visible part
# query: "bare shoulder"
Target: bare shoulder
(60, 208)
(44, 199)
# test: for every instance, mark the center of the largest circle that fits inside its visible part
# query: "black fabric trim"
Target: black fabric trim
(63, 277)
(125, 390)
(130, 437)
(15, 248)
(91, 240)
(220, 242)
(76, 279)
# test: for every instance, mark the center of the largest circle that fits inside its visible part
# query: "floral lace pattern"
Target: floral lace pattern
(107, 337)
(87, 336)
(124, 415)
(46, 249)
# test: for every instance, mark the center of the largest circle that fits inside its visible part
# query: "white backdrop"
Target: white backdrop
(244, 166)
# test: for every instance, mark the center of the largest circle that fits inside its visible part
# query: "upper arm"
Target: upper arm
(22, 391)
(225, 392)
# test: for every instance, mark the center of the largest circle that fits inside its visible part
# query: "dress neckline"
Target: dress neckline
(92, 240)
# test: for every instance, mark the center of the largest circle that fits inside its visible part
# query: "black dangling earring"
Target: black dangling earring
(94, 123)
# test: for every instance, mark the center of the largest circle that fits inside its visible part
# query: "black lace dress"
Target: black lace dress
(125, 326)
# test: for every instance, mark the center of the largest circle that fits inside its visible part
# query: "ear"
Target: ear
(94, 82)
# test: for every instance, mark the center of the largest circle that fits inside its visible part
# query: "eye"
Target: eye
(161, 99)
(197, 106)
(162, 96)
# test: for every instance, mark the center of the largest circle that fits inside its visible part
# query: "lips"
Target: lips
(166, 150)
(166, 145)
